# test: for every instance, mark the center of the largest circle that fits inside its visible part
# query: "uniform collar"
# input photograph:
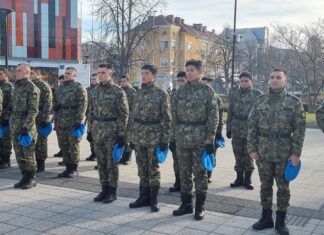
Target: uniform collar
(107, 84)
(70, 82)
(147, 87)
(194, 83)
(22, 81)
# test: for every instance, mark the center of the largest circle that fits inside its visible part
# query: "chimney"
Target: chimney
(213, 31)
(204, 29)
(177, 20)
(198, 27)
(170, 18)
(182, 21)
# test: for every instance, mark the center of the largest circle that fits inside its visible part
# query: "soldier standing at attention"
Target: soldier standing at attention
(70, 105)
(182, 80)
(275, 135)
(25, 103)
(320, 116)
(130, 93)
(195, 119)
(150, 125)
(240, 104)
(43, 117)
(93, 83)
(209, 81)
(108, 116)
(5, 142)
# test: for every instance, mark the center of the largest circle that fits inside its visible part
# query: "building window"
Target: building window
(143, 44)
(164, 62)
(172, 63)
(173, 44)
(189, 46)
(164, 45)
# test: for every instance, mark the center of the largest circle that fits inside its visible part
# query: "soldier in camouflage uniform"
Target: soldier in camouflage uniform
(182, 80)
(209, 82)
(195, 119)
(150, 125)
(130, 93)
(276, 131)
(25, 103)
(5, 142)
(70, 105)
(320, 116)
(43, 117)
(93, 83)
(108, 116)
(240, 104)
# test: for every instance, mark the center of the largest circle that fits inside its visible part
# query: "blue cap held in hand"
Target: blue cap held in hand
(1, 133)
(5, 129)
(78, 132)
(161, 156)
(220, 142)
(291, 171)
(118, 152)
(208, 161)
(25, 140)
(45, 131)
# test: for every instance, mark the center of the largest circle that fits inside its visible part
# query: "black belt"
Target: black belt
(274, 135)
(201, 123)
(112, 119)
(147, 122)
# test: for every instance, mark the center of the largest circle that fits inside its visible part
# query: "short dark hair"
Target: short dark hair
(280, 70)
(126, 77)
(94, 74)
(246, 74)
(5, 71)
(153, 69)
(181, 74)
(107, 66)
(207, 79)
(71, 68)
(196, 63)
(36, 70)
(61, 77)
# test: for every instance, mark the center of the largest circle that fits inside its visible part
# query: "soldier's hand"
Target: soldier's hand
(23, 131)
(254, 156)
(163, 146)
(120, 141)
(219, 135)
(210, 148)
(77, 126)
(89, 137)
(131, 145)
(5, 123)
(229, 134)
(294, 159)
(43, 124)
(172, 146)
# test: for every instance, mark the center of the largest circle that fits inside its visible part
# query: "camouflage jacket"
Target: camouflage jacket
(45, 101)
(89, 92)
(1, 101)
(320, 116)
(7, 89)
(220, 115)
(150, 122)
(108, 112)
(25, 103)
(276, 126)
(70, 101)
(240, 104)
(130, 93)
(195, 115)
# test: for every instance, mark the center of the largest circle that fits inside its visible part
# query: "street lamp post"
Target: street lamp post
(4, 12)
(234, 41)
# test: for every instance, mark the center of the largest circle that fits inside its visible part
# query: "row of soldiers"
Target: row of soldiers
(267, 128)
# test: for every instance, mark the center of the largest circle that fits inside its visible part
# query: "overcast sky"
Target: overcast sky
(250, 13)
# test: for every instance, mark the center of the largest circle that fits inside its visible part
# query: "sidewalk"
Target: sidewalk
(64, 206)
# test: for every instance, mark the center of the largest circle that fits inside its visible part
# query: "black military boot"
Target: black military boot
(154, 192)
(266, 220)
(126, 158)
(239, 180)
(176, 186)
(40, 165)
(59, 154)
(143, 200)
(110, 196)
(22, 181)
(30, 181)
(5, 162)
(102, 194)
(210, 177)
(92, 157)
(281, 227)
(247, 180)
(65, 173)
(199, 208)
(73, 172)
(186, 205)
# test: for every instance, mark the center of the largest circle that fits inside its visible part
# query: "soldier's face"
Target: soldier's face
(104, 74)
(3, 76)
(192, 73)
(278, 80)
(182, 81)
(245, 82)
(207, 82)
(147, 77)
(94, 80)
(22, 72)
(69, 75)
(34, 74)
(123, 82)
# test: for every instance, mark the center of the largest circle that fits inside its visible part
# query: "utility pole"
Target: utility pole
(4, 12)
(234, 41)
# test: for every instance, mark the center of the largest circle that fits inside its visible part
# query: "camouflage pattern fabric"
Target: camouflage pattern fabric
(89, 92)
(25, 103)
(130, 93)
(220, 115)
(1, 100)
(320, 116)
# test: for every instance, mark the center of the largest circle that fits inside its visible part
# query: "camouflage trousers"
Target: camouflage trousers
(69, 146)
(175, 164)
(5, 148)
(190, 163)
(268, 172)
(147, 165)
(25, 156)
(41, 148)
(107, 169)
(92, 146)
(243, 162)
